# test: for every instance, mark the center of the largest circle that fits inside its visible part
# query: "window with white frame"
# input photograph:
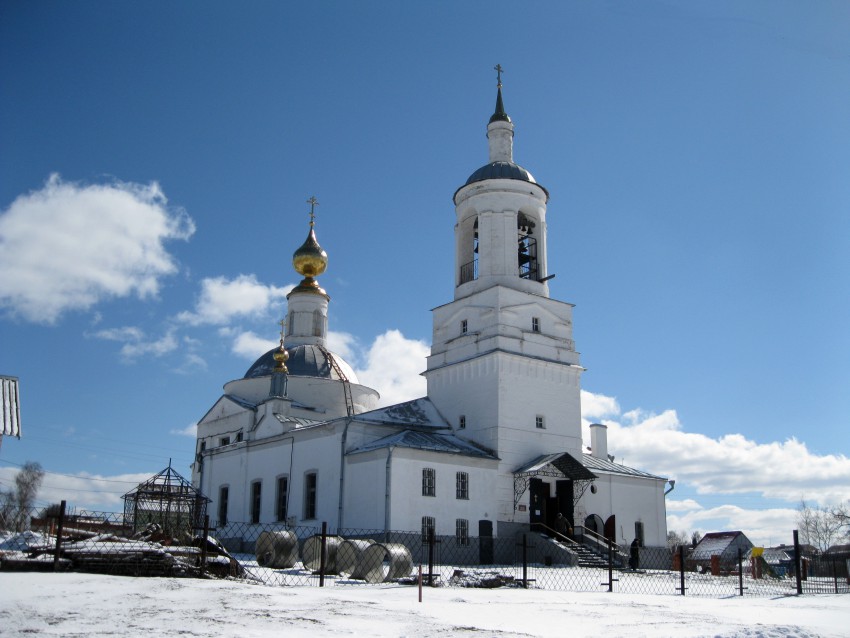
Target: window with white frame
(462, 486)
(464, 327)
(225, 440)
(461, 422)
(462, 531)
(429, 527)
(539, 423)
(535, 324)
(429, 481)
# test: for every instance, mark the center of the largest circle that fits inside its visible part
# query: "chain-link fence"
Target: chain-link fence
(276, 554)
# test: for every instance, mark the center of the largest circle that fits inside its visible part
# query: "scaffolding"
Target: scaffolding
(169, 501)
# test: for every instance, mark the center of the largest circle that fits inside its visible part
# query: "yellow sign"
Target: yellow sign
(757, 551)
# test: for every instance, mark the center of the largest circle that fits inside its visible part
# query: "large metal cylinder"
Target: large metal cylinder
(277, 550)
(349, 557)
(383, 562)
(311, 553)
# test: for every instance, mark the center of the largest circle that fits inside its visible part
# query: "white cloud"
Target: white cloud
(223, 300)
(729, 464)
(343, 344)
(393, 367)
(251, 345)
(597, 406)
(686, 505)
(83, 490)
(68, 246)
(764, 527)
(190, 430)
(136, 344)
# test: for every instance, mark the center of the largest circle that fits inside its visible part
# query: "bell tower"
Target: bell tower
(503, 367)
(500, 234)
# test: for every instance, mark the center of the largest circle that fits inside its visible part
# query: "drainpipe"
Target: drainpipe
(672, 483)
(387, 494)
(342, 474)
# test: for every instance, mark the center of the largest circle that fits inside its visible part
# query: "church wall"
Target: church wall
(365, 490)
(631, 499)
(408, 505)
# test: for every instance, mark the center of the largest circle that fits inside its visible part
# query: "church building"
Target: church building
(494, 448)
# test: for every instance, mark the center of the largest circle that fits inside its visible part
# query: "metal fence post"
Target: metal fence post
(431, 557)
(323, 554)
(525, 562)
(682, 568)
(834, 574)
(204, 544)
(797, 571)
(610, 566)
(740, 572)
(59, 535)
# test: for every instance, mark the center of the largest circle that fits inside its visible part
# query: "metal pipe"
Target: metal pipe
(388, 490)
(672, 483)
(342, 475)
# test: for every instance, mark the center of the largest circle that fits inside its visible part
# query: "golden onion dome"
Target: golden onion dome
(310, 260)
(280, 356)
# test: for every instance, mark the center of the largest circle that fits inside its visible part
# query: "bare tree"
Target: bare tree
(820, 526)
(16, 505)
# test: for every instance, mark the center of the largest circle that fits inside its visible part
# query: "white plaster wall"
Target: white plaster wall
(631, 499)
(408, 505)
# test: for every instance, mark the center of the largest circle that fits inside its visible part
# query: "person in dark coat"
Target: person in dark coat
(562, 526)
(634, 554)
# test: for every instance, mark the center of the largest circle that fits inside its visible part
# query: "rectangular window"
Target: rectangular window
(429, 527)
(223, 496)
(462, 531)
(225, 440)
(461, 424)
(282, 496)
(256, 500)
(429, 481)
(310, 487)
(239, 437)
(539, 423)
(462, 486)
(535, 324)
(463, 327)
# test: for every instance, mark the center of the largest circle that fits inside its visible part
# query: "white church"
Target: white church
(495, 447)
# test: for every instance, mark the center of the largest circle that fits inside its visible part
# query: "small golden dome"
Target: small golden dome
(280, 356)
(310, 260)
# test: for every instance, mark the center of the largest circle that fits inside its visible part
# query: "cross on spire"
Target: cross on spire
(499, 70)
(282, 323)
(313, 203)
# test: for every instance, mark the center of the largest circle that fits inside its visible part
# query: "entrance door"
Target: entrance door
(611, 528)
(564, 498)
(539, 495)
(485, 542)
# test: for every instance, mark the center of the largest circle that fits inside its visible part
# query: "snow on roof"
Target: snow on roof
(715, 543)
(429, 441)
(604, 465)
(420, 412)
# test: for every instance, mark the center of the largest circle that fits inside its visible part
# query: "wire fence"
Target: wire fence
(276, 554)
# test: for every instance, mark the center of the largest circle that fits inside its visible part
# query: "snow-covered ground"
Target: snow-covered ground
(75, 604)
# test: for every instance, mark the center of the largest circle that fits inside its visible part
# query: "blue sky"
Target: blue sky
(155, 159)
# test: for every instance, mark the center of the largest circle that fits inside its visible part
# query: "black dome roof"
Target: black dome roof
(304, 361)
(501, 170)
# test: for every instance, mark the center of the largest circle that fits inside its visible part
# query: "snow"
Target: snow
(76, 604)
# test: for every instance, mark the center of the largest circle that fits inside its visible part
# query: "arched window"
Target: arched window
(526, 248)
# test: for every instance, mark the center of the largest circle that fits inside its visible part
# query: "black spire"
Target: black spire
(499, 115)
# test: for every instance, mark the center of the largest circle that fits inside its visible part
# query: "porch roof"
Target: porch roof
(562, 464)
